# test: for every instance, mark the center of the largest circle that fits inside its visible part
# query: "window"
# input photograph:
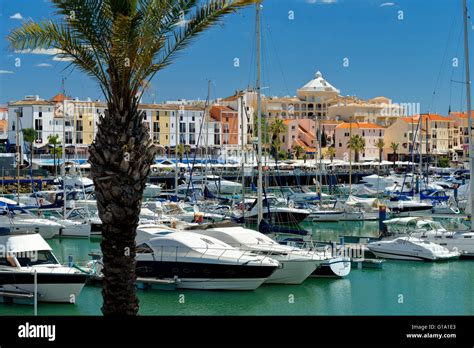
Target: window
(41, 257)
(192, 139)
(38, 125)
(182, 127)
(144, 249)
(192, 128)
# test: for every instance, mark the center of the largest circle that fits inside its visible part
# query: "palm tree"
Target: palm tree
(356, 144)
(298, 149)
(276, 128)
(394, 147)
(180, 150)
(54, 141)
(29, 135)
(122, 45)
(331, 153)
(380, 145)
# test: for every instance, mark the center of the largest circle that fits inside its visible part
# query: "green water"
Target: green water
(400, 288)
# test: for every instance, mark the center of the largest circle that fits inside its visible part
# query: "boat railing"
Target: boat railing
(175, 253)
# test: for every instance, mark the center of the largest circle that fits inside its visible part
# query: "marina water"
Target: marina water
(400, 288)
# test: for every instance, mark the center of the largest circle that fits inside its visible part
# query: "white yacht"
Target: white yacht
(277, 211)
(323, 215)
(433, 231)
(29, 253)
(297, 264)
(70, 228)
(20, 221)
(411, 248)
(180, 211)
(198, 262)
(216, 184)
(410, 207)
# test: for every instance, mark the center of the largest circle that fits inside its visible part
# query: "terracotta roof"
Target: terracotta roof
(359, 125)
(460, 114)
(431, 117)
(60, 98)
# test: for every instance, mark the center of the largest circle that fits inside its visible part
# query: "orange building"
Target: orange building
(229, 124)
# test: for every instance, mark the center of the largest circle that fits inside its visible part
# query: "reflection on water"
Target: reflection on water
(444, 288)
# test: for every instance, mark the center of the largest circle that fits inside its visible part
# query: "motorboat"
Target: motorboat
(181, 211)
(405, 206)
(433, 231)
(152, 190)
(199, 262)
(215, 183)
(277, 211)
(70, 228)
(323, 215)
(297, 264)
(411, 248)
(18, 221)
(84, 215)
(27, 254)
(333, 265)
(302, 194)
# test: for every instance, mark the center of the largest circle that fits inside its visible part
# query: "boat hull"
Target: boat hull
(51, 287)
(336, 267)
(207, 276)
(292, 272)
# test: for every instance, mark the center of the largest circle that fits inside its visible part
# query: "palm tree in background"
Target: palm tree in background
(356, 144)
(56, 151)
(394, 147)
(276, 128)
(380, 145)
(331, 153)
(298, 150)
(29, 135)
(121, 44)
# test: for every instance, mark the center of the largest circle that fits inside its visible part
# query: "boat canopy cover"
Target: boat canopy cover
(24, 242)
(366, 191)
(367, 202)
(402, 221)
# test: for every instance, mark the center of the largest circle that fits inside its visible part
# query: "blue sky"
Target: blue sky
(409, 60)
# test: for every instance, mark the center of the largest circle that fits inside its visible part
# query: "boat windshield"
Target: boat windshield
(40, 257)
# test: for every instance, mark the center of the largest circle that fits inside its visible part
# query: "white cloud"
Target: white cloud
(327, 2)
(47, 51)
(43, 65)
(6, 72)
(62, 59)
(16, 16)
(387, 4)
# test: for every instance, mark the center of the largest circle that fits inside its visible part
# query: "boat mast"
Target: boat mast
(18, 156)
(259, 119)
(242, 157)
(176, 121)
(64, 155)
(469, 116)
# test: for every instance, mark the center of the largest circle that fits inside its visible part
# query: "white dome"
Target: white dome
(319, 84)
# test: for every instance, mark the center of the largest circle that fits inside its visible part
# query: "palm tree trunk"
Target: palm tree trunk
(120, 159)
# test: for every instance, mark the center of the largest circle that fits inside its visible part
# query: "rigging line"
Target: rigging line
(442, 64)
